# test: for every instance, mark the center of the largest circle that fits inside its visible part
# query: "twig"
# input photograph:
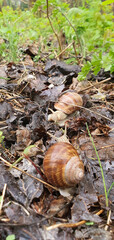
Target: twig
(38, 170)
(8, 164)
(108, 220)
(53, 27)
(64, 50)
(70, 225)
(98, 114)
(74, 46)
(18, 204)
(87, 109)
(107, 146)
(2, 199)
(94, 85)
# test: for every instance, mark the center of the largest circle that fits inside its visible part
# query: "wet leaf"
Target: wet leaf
(13, 187)
(94, 234)
(80, 209)
(37, 83)
(61, 67)
(6, 111)
(58, 207)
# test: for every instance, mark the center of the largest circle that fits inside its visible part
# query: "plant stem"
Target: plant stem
(102, 173)
(59, 42)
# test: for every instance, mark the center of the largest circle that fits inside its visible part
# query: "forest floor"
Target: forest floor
(29, 208)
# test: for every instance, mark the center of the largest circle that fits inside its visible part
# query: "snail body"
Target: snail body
(62, 165)
(67, 104)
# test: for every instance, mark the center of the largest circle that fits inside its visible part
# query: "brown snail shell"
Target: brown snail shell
(67, 104)
(62, 165)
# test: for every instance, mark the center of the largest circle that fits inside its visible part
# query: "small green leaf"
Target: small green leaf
(89, 223)
(84, 71)
(11, 237)
(107, 2)
(26, 151)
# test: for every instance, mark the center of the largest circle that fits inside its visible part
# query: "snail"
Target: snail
(62, 165)
(67, 104)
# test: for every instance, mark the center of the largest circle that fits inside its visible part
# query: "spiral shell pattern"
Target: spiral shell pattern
(69, 102)
(57, 167)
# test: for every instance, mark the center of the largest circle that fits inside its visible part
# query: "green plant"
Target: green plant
(9, 33)
(102, 173)
(90, 25)
(84, 71)
(98, 61)
(92, 30)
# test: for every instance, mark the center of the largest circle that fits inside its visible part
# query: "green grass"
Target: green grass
(102, 173)
(110, 188)
(90, 25)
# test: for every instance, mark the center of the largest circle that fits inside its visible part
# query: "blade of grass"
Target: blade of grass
(110, 188)
(102, 173)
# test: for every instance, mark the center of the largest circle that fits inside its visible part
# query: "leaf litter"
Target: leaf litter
(32, 209)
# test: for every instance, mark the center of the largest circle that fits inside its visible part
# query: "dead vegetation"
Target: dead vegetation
(30, 207)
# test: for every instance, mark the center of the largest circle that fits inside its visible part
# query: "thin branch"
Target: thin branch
(70, 225)
(3, 195)
(45, 183)
(94, 85)
(60, 46)
(98, 114)
(64, 50)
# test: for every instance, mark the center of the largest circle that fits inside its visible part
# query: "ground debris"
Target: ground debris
(26, 99)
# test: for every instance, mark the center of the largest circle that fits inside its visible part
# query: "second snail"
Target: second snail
(67, 104)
